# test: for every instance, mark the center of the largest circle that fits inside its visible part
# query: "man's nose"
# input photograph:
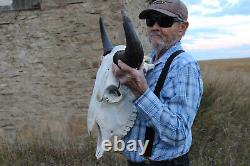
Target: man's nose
(155, 26)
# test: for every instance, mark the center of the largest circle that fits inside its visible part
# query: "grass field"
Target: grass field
(221, 130)
(221, 133)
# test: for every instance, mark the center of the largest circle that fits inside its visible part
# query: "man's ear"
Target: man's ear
(182, 28)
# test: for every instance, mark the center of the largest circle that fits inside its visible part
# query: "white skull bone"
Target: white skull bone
(111, 106)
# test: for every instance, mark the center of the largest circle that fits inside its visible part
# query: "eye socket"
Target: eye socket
(115, 92)
(112, 95)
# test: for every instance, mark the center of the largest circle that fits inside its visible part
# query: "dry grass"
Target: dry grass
(220, 132)
(241, 65)
(43, 152)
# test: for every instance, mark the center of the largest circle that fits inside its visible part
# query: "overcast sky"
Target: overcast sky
(5, 2)
(218, 29)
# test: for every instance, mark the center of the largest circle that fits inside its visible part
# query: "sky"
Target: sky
(218, 29)
(5, 2)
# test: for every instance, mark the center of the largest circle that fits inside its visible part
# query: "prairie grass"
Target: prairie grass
(43, 152)
(221, 130)
(221, 133)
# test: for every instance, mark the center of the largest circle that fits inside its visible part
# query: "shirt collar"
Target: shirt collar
(166, 55)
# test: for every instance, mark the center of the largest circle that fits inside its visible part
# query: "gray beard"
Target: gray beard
(160, 48)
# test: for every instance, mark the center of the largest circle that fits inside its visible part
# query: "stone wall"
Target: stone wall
(48, 62)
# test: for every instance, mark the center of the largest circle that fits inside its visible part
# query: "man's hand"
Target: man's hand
(132, 78)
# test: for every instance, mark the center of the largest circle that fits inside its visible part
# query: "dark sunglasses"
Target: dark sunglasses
(162, 21)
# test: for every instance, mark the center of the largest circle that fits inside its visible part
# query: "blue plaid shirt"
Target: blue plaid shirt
(173, 114)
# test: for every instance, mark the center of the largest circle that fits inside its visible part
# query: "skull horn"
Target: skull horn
(133, 55)
(107, 44)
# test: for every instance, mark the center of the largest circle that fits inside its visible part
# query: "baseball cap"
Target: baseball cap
(172, 8)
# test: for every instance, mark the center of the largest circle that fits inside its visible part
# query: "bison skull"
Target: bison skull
(111, 108)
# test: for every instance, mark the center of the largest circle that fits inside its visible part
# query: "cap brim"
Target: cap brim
(145, 13)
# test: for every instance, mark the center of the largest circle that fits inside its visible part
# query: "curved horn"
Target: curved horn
(133, 55)
(107, 44)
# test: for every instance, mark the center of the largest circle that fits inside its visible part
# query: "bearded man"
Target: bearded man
(166, 105)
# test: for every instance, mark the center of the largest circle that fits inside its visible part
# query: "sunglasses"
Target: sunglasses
(162, 21)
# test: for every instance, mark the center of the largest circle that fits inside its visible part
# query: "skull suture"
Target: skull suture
(111, 108)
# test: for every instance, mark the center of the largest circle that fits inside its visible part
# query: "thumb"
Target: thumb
(123, 66)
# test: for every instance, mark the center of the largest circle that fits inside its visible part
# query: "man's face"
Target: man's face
(163, 31)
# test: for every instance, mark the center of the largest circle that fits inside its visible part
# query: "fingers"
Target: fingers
(124, 66)
(121, 69)
(116, 70)
(125, 73)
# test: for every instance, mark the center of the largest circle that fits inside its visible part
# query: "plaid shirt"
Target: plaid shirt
(173, 114)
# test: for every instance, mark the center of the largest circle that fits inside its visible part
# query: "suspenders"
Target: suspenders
(149, 135)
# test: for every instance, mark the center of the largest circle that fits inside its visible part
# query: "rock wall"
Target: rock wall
(49, 59)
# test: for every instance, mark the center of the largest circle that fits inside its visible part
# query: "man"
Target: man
(172, 113)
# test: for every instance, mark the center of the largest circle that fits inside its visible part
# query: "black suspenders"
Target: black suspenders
(149, 135)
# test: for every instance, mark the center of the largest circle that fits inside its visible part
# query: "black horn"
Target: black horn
(133, 55)
(107, 44)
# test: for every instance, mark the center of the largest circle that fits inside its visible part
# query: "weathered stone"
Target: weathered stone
(48, 63)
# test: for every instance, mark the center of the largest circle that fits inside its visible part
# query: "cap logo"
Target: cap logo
(160, 2)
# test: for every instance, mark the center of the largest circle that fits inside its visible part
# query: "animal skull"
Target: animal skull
(111, 108)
